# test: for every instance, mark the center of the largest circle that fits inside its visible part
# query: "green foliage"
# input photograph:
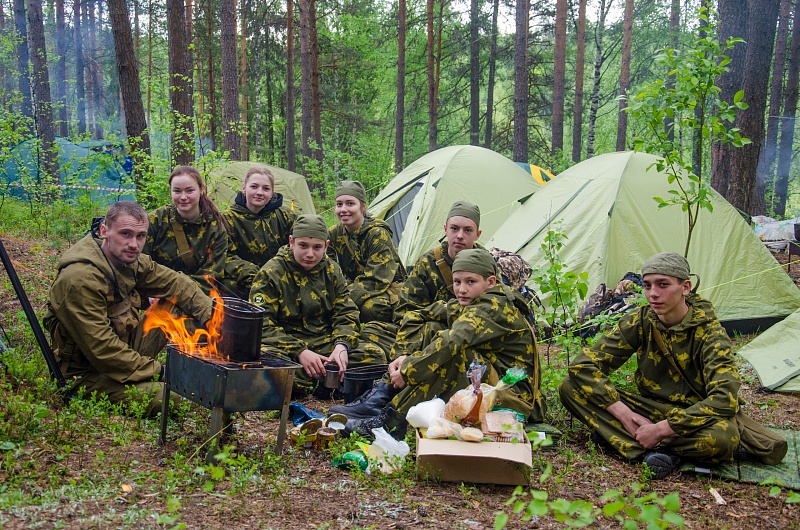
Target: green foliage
(693, 105)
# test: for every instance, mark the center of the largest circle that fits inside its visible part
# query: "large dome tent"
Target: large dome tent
(224, 182)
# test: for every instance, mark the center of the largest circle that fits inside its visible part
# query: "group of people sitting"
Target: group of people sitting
(341, 296)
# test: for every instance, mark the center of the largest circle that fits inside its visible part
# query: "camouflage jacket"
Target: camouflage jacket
(699, 346)
(256, 237)
(208, 241)
(494, 329)
(373, 265)
(425, 284)
(92, 311)
(304, 307)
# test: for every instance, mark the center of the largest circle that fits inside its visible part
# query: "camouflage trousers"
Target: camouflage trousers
(714, 444)
(376, 308)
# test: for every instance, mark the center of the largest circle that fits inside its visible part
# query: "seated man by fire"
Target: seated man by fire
(309, 314)
(93, 311)
(687, 404)
(486, 320)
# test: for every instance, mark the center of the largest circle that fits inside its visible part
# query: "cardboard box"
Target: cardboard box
(480, 463)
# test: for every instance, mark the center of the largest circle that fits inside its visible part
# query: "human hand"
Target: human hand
(313, 363)
(650, 436)
(394, 372)
(339, 356)
(629, 419)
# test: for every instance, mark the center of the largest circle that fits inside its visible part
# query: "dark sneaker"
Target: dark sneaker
(392, 421)
(367, 405)
(661, 463)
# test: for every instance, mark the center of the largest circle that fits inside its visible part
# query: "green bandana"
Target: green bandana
(353, 188)
(310, 225)
(466, 209)
(668, 264)
(477, 260)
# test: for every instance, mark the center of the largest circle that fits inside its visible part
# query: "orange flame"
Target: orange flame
(203, 343)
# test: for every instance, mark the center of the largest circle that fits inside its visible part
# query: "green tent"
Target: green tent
(97, 170)
(775, 355)
(607, 211)
(415, 203)
(224, 182)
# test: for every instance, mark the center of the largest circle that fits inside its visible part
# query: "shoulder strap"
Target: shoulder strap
(356, 257)
(184, 250)
(668, 354)
(444, 268)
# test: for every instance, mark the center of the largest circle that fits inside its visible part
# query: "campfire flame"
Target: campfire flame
(202, 343)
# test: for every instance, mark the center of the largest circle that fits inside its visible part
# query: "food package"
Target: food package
(421, 415)
(442, 428)
(470, 405)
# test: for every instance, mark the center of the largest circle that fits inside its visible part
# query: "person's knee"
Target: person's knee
(566, 391)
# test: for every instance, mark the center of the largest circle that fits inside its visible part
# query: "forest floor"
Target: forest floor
(82, 465)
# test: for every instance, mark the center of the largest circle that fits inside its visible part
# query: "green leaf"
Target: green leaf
(738, 96)
(774, 491)
(613, 507)
(500, 520)
(7, 446)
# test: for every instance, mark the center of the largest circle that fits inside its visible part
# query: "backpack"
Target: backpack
(618, 301)
(514, 272)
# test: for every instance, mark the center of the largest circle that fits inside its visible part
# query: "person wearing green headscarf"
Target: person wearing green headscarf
(485, 321)
(364, 249)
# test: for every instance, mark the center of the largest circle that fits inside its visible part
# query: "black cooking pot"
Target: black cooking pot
(240, 333)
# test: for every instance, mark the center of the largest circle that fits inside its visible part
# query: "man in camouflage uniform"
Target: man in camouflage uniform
(368, 259)
(687, 378)
(309, 315)
(486, 321)
(432, 277)
(93, 309)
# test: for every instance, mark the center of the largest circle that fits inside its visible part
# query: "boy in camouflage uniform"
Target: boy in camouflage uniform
(309, 315)
(364, 249)
(432, 277)
(676, 339)
(486, 321)
(93, 309)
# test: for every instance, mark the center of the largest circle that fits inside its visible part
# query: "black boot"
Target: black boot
(368, 404)
(392, 421)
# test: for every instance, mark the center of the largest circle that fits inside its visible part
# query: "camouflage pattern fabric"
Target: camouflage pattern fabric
(94, 319)
(704, 427)
(371, 263)
(309, 310)
(515, 271)
(425, 284)
(255, 239)
(207, 239)
(443, 339)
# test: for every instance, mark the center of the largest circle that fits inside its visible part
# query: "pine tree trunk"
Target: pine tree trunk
(3, 72)
(598, 65)
(625, 75)
(431, 85)
(61, 69)
(80, 85)
(316, 99)
(212, 87)
(180, 77)
(95, 71)
(520, 149)
(245, 146)
(23, 79)
(136, 29)
(303, 6)
(697, 138)
(230, 88)
(559, 72)
(674, 31)
(789, 116)
(487, 141)
(41, 94)
(271, 121)
(766, 158)
(291, 157)
(580, 63)
(744, 160)
(399, 122)
(128, 68)
(474, 74)
(733, 16)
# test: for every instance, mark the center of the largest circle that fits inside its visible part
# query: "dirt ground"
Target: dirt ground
(305, 491)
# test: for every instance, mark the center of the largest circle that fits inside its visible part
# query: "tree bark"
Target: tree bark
(80, 85)
(243, 89)
(399, 121)
(431, 83)
(305, 81)
(625, 74)
(128, 68)
(316, 99)
(744, 160)
(559, 72)
(697, 138)
(487, 142)
(674, 31)
(230, 88)
(41, 95)
(767, 156)
(598, 64)
(733, 16)
(291, 160)
(580, 63)
(23, 58)
(3, 72)
(789, 116)
(180, 80)
(475, 73)
(520, 149)
(95, 73)
(61, 69)
(212, 87)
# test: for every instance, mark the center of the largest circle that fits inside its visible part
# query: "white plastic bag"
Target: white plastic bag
(420, 416)
(387, 451)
